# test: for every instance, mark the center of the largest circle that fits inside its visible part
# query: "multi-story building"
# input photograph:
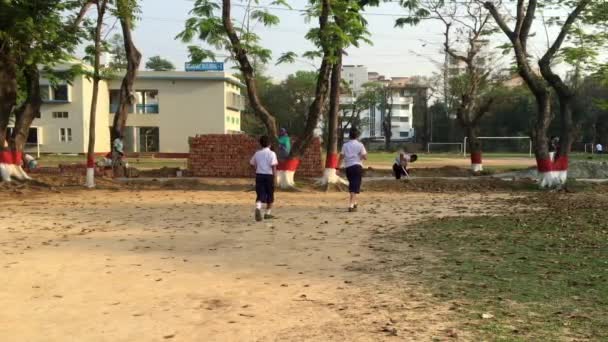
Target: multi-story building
(170, 107)
(400, 100)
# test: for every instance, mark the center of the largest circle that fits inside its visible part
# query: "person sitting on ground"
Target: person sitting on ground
(284, 144)
(353, 154)
(29, 162)
(106, 162)
(401, 163)
(265, 162)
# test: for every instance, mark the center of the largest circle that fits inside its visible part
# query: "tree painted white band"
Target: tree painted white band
(476, 167)
(330, 177)
(552, 179)
(90, 180)
(286, 179)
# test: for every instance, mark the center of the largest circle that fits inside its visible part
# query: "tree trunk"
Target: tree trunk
(332, 158)
(8, 99)
(24, 115)
(90, 178)
(474, 148)
(127, 98)
(288, 168)
(240, 54)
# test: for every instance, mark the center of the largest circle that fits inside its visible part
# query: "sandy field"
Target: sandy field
(181, 265)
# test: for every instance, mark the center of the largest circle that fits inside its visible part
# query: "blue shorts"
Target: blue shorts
(354, 174)
(264, 188)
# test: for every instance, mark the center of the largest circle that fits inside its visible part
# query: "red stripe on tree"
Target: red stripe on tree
(561, 164)
(544, 165)
(6, 157)
(332, 161)
(17, 157)
(476, 158)
(90, 162)
(289, 165)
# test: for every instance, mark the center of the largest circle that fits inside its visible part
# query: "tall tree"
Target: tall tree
(126, 11)
(32, 34)
(157, 63)
(243, 45)
(117, 52)
(471, 86)
(553, 172)
(101, 6)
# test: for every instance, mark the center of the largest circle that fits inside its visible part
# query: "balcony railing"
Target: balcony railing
(140, 108)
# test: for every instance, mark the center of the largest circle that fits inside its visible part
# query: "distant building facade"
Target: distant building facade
(403, 95)
(170, 106)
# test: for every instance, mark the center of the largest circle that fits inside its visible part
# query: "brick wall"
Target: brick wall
(228, 155)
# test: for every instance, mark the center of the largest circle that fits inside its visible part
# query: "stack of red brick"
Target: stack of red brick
(228, 155)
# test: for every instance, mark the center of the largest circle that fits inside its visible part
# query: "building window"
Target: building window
(58, 93)
(60, 115)
(65, 134)
(404, 119)
(404, 134)
(227, 119)
(149, 139)
(147, 101)
(235, 101)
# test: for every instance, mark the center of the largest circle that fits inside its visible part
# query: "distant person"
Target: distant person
(599, 149)
(265, 162)
(353, 153)
(553, 147)
(284, 144)
(401, 163)
(118, 148)
(29, 162)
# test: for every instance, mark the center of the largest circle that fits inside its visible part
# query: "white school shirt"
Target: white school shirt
(264, 160)
(406, 156)
(353, 151)
(598, 147)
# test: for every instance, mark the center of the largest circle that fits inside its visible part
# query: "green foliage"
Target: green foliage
(157, 63)
(206, 24)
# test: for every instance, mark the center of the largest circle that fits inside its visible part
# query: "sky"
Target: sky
(405, 51)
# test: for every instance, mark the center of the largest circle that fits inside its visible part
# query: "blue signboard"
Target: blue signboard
(205, 66)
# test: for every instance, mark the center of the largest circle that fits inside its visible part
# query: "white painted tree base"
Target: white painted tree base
(552, 179)
(10, 171)
(285, 179)
(476, 167)
(330, 176)
(90, 180)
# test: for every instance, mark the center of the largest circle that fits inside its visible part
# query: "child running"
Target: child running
(265, 163)
(353, 154)
(401, 162)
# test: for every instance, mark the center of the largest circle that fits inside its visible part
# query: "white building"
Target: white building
(402, 99)
(170, 106)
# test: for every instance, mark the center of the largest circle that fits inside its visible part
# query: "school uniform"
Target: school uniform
(352, 152)
(263, 161)
(398, 169)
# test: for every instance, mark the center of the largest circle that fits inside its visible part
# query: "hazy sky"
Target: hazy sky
(395, 52)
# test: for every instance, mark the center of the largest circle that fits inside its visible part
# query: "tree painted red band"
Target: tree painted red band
(561, 164)
(544, 165)
(6, 157)
(332, 161)
(17, 157)
(90, 162)
(476, 158)
(289, 165)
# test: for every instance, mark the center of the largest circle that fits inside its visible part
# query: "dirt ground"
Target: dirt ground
(183, 265)
(463, 162)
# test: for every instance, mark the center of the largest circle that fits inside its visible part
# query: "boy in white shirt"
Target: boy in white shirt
(265, 163)
(353, 154)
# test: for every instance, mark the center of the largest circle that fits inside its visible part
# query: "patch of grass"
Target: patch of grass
(544, 276)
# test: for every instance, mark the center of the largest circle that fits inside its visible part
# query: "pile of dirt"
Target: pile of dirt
(581, 169)
(162, 172)
(446, 171)
(446, 185)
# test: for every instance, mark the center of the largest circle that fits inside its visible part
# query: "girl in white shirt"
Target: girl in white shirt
(353, 154)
